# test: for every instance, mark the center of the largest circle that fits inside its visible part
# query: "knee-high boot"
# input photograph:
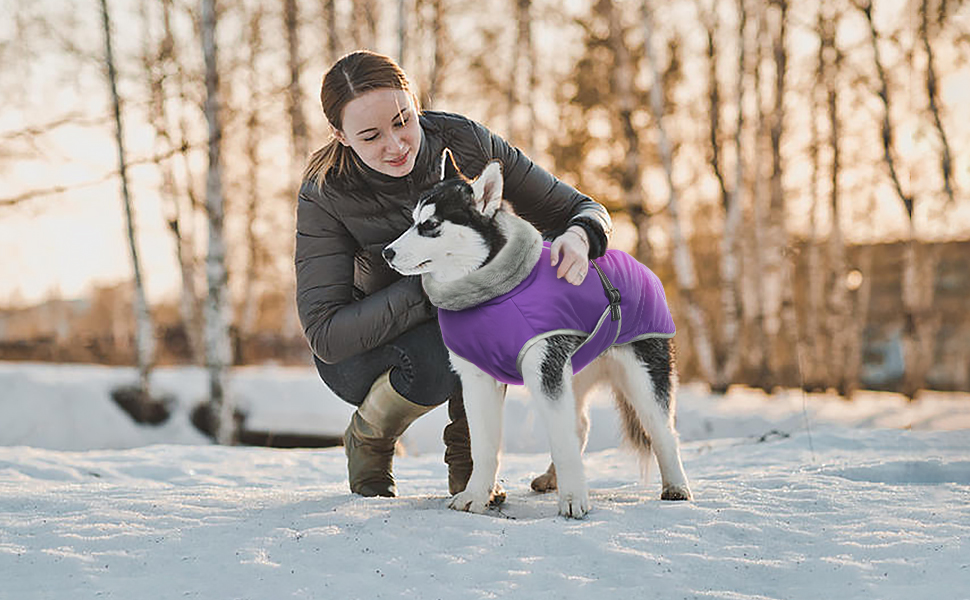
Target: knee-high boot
(369, 440)
(458, 450)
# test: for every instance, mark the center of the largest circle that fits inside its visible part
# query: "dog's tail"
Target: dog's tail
(635, 436)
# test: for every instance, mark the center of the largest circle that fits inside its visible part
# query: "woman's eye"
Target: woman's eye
(401, 124)
(370, 138)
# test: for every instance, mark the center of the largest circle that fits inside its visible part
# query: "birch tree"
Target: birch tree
(299, 133)
(332, 44)
(683, 261)
(364, 23)
(522, 80)
(753, 297)
(839, 330)
(728, 355)
(160, 64)
(625, 101)
(246, 320)
(438, 44)
(933, 99)
(780, 320)
(402, 30)
(144, 329)
(217, 340)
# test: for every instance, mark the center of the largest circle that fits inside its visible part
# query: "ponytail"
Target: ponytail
(334, 157)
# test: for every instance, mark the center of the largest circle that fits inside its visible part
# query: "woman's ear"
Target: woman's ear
(449, 170)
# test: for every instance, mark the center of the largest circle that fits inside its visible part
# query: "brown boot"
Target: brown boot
(369, 440)
(458, 450)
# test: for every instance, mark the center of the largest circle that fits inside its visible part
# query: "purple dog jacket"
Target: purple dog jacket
(496, 334)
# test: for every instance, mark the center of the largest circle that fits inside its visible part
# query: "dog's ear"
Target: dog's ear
(449, 170)
(487, 189)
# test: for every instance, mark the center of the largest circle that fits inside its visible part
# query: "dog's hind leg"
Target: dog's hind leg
(547, 371)
(483, 397)
(583, 382)
(647, 384)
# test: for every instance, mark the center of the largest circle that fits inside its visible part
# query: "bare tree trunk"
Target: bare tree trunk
(218, 344)
(683, 261)
(918, 324)
(759, 351)
(728, 354)
(158, 63)
(932, 93)
(780, 322)
(144, 329)
(730, 248)
(183, 229)
(300, 141)
(364, 25)
(523, 67)
(332, 47)
(840, 331)
(251, 294)
(438, 34)
(294, 93)
(622, 78)
(815, 360)
(402, 30)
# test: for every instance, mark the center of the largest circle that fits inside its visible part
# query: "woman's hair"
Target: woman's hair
(348, 78)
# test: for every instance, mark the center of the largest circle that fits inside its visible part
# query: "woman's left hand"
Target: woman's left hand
(571, 252)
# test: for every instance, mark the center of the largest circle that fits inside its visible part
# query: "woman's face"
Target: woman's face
(381, 126)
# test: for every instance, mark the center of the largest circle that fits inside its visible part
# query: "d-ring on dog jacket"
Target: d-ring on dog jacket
(496, 333)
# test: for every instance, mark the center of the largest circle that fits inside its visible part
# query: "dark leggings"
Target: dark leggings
(417, 359)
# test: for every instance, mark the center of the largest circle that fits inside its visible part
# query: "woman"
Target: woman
(374, 336)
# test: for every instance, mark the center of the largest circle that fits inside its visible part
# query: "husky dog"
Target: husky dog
(476, 258)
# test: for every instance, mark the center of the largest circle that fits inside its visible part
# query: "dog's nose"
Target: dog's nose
(388, 254)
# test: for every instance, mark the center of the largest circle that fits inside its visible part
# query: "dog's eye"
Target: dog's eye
(429, 227)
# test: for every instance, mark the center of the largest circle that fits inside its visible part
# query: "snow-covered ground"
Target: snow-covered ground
(795, 496)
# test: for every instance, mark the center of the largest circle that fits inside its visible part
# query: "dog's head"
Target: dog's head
(454, 230)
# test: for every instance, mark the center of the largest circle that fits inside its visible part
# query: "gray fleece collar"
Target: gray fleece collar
(507, 269)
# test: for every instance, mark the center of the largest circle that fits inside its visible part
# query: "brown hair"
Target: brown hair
(348, 78)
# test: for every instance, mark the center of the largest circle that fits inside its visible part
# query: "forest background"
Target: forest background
(796, 173)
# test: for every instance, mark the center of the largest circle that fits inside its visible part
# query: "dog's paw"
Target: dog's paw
(574, 505)
(468, 501)
(675, 492)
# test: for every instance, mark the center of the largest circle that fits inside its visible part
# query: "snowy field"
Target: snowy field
(796, 496)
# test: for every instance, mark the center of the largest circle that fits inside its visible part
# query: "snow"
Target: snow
(795, 496)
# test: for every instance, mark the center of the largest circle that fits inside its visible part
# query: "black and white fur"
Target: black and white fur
(463, 244)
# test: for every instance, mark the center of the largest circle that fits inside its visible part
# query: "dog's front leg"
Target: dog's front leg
(483, 397)
(547, 372)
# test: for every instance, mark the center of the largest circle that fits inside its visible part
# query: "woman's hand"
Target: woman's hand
(571, 252)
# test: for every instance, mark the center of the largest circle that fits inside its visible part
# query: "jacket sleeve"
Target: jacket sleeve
(539, 197)
(338, 326)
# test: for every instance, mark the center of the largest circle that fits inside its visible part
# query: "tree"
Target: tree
(144, 329)
(683, 261)
(160, 65)
(728, 355)
(919, 272)
(218, 348)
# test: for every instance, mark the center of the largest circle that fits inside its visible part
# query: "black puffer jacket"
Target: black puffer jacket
(348, 298)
